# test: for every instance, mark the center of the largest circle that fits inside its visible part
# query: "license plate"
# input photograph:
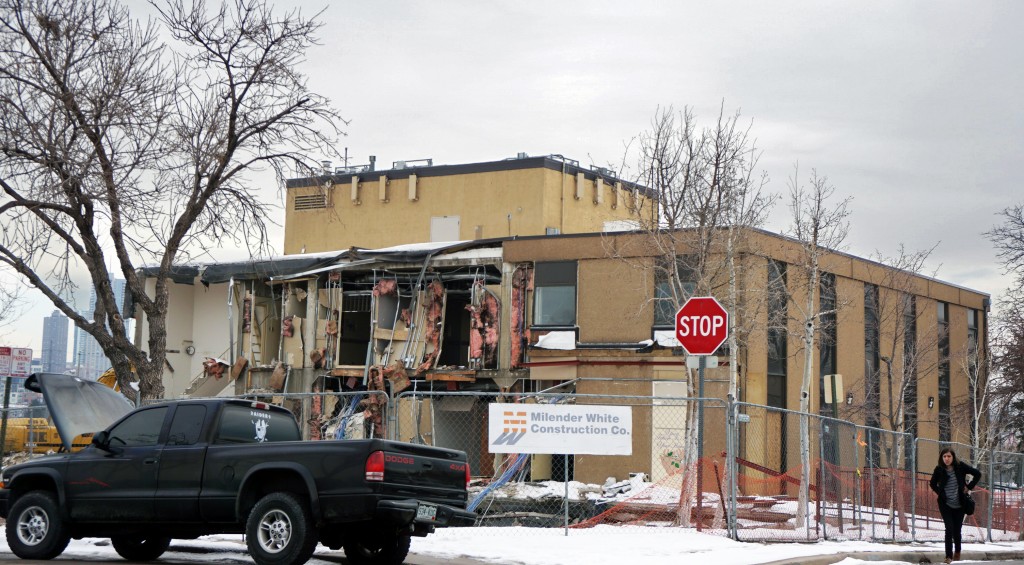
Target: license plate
(426, 512)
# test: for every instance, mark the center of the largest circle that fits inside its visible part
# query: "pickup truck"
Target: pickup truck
(187, 468)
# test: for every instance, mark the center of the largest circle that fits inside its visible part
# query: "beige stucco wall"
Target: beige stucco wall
(489, 204)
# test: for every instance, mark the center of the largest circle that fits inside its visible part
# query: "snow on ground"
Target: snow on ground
(611, 545)
(603, 545)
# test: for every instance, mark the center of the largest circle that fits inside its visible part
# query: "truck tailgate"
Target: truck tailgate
(424, 470)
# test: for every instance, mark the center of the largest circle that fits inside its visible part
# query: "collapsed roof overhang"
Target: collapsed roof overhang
(295, 267)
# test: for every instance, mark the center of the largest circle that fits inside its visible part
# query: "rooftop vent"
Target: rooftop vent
(409, 163)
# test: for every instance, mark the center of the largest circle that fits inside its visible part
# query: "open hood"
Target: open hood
(78, 406)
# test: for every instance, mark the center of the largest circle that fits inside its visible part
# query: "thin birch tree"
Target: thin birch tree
(820, 226)
(706, 189)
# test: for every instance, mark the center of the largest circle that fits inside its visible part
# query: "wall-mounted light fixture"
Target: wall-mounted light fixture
(849, 399)
(931, 402)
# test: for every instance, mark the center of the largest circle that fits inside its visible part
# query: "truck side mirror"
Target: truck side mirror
(102, 441)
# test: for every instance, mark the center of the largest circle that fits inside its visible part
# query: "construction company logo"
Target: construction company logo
(557, 428)
(514, 423)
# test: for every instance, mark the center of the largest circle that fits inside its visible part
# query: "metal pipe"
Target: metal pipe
(231, 324)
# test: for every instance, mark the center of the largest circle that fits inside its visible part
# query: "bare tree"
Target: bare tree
(820, 227)
(905, 349)
(1007, 376)
(706, 191)
(10, 304)
(118, 148)
(1008, 239)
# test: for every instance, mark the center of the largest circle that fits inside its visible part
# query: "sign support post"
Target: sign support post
(700, 442)
(702, 325)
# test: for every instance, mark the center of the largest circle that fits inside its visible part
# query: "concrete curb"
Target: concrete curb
(930, 556)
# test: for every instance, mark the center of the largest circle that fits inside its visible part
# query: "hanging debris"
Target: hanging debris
(485, 315)
(432, 332)
(522, 282)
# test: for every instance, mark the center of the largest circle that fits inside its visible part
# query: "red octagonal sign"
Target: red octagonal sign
(702, 324)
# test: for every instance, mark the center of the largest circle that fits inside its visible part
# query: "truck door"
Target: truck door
(181, 465)
(119, 487)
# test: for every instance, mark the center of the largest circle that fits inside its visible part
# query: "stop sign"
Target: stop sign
(702, 325)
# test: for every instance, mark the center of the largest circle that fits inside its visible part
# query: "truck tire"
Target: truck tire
(280, 530)
(377, 549)
(140, 548)
(35, 529)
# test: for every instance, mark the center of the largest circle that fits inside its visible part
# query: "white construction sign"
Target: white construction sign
(550, 428)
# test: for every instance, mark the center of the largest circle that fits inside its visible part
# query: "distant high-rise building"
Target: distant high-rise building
(90, 361)
(55, 343)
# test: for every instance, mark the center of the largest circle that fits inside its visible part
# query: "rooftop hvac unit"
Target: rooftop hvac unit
(399, 165)
(521, 155)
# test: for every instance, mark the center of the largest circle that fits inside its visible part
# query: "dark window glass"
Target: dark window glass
(140, 428)
(944, 414)
(827, 336)
(777, 318)
(187, 424)
(242, 424)
(872, 362)
(665, 304)
(554, 295)
(909, 370)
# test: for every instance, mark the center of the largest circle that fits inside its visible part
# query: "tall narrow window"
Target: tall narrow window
(777, 320)
(828, 336)
(554, 295)
(872, 361)
(909, 370)
(943, 329)
(973, 362)
(777, 352)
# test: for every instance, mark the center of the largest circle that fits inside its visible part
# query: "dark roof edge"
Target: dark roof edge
(547, 162)
(767, 233)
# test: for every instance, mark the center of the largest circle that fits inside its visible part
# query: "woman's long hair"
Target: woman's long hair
(944, 451)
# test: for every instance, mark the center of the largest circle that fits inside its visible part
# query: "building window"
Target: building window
(777, 335)
(554, 295)
(943, 329)
(909, 370)
(666, 303)
(973, 361)
(828, 334)
(872, 361)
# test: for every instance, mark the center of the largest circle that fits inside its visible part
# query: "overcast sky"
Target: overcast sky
(912, 108)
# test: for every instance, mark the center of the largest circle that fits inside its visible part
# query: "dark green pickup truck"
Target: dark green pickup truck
(188, 468)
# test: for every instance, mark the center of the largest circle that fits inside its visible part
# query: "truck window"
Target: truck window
(187, 424)
(141, 428)
(242, 424)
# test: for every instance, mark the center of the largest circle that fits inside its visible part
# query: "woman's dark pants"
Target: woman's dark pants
(954, 520)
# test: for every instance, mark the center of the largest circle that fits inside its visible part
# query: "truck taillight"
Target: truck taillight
(467, 475)
(375, 466)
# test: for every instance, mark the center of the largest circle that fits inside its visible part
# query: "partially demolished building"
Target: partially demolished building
(523, 312)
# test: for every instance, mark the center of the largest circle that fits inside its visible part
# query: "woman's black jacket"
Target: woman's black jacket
(940, 477)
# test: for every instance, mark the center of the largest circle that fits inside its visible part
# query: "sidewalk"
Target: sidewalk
(910, 556)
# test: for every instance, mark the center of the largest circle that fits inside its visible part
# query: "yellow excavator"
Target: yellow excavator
(38, 435)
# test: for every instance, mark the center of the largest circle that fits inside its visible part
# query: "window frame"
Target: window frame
(552, 280)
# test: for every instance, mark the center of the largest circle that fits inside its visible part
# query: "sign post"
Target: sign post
(702, 325)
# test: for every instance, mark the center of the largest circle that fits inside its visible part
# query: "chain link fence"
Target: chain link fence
(861, 482)
(655, 484)
(858, 484)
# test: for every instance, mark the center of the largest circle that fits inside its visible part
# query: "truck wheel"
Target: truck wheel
(377, 549)
(35, 529)
(140, 548)
(280, 530)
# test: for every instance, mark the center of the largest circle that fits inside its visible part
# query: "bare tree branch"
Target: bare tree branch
(114, 143)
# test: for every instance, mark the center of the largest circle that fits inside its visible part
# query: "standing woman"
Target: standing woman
(949, 481)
